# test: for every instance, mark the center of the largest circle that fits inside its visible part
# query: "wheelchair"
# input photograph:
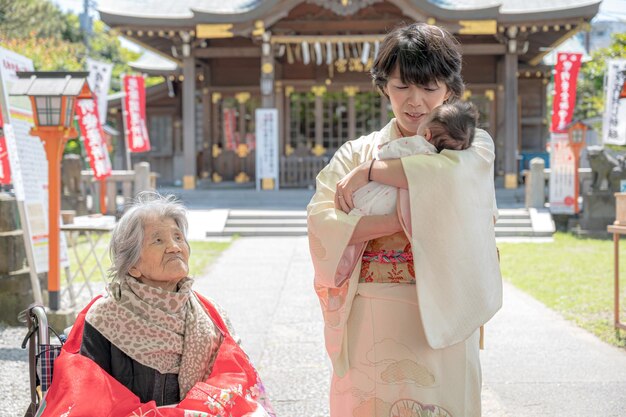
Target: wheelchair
(41, 354)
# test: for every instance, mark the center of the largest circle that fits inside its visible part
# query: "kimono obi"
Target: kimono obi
(388, 259)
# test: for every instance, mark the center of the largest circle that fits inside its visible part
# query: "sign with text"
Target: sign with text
(134, 109)
(614, 120)
(266, 145)
(93, 137)
(564, 100)
(563, 189)
(27, 159)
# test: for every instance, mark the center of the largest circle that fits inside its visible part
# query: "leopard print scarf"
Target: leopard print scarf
(164, 330)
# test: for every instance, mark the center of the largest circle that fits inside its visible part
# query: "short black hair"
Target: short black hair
(424, 54)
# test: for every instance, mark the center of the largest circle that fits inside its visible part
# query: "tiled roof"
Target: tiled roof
(186, 9)
(178, 9)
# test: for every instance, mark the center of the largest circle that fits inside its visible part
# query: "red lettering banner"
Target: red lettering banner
(135, 113)
(231, 139)
(5, 168)
(564, 100)
(93, 137)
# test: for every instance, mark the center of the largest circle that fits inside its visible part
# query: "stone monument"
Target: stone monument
(607, 169)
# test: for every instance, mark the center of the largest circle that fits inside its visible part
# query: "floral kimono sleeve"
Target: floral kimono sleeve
(334, 259)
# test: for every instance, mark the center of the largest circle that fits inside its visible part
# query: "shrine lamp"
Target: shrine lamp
(53, 97)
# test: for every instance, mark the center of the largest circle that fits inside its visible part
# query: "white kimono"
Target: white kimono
(395, 350)
(376, 198)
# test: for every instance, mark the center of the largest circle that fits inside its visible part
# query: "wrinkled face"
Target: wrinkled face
(411, 104)
(164, 255)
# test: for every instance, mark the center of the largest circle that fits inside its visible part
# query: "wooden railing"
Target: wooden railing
(300, 171)
(121, 187)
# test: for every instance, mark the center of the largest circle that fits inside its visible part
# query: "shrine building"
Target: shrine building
(309, 59)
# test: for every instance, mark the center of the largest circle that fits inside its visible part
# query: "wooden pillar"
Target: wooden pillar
(267, 73)
(319, 92)
(189, 122)
(216, 146)
(511, 114)
(351, 92)
(279, 103)
(288, 149)
(207, 163)
(242, 147)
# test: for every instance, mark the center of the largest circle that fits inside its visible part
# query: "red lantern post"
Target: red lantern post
(53, 96)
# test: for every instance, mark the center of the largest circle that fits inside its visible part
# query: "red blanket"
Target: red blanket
(81, 388)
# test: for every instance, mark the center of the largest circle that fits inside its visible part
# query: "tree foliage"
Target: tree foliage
(54, 40)
(590, 89)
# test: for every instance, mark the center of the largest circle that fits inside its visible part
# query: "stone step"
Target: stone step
(265, 222)
(260, 231)
(518, 222)
(267, 214)
(519, 231)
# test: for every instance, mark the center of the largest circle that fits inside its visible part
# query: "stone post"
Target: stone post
(142, 177)
(15, 286)
(536, 184)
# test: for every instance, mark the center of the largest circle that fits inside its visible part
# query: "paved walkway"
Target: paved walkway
(535, 362)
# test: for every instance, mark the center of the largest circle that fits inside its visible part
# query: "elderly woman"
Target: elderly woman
(153, 341)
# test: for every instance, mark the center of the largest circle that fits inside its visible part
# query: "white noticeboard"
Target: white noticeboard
(614, 120)
(266, 146)
(29, 166)
(562, 175)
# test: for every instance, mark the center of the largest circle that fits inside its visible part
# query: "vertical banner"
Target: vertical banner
(564, 100)
(134, 110)
(266, 146)
(614, 120)
(563, 187)
(99, 82)
(230, 129)
(5, 169)
(93, 138)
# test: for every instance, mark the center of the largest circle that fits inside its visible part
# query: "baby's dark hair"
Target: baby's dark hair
(453, 125)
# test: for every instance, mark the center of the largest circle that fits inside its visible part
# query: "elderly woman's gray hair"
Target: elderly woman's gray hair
(127, 237)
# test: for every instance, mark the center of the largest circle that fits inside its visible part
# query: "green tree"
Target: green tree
(590, 89)
(54, 40)
(26, 18)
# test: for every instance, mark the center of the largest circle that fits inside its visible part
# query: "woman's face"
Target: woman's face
(411, 103)
(164, 255)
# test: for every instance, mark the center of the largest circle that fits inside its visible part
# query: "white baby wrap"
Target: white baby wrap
(375, 198)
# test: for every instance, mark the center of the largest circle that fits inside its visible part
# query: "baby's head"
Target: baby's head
(450, 126)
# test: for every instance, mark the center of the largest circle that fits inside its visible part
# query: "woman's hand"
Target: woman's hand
(355, 179)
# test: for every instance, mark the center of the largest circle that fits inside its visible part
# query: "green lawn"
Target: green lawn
(203, 254)
(571, 275)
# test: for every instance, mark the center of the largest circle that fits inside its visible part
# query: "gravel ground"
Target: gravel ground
(14, 383)
(15, 396)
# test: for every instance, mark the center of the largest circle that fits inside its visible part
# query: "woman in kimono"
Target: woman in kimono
(403, 295)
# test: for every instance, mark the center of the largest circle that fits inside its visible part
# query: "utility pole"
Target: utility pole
(86, 23)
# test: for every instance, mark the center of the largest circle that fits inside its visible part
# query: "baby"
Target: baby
(449, 126)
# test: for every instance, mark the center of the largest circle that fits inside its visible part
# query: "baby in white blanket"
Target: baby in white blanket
(449, 126)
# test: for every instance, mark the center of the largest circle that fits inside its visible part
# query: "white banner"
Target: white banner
(614, 120)
(563, 190)
(266, 145)
(99, 81)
